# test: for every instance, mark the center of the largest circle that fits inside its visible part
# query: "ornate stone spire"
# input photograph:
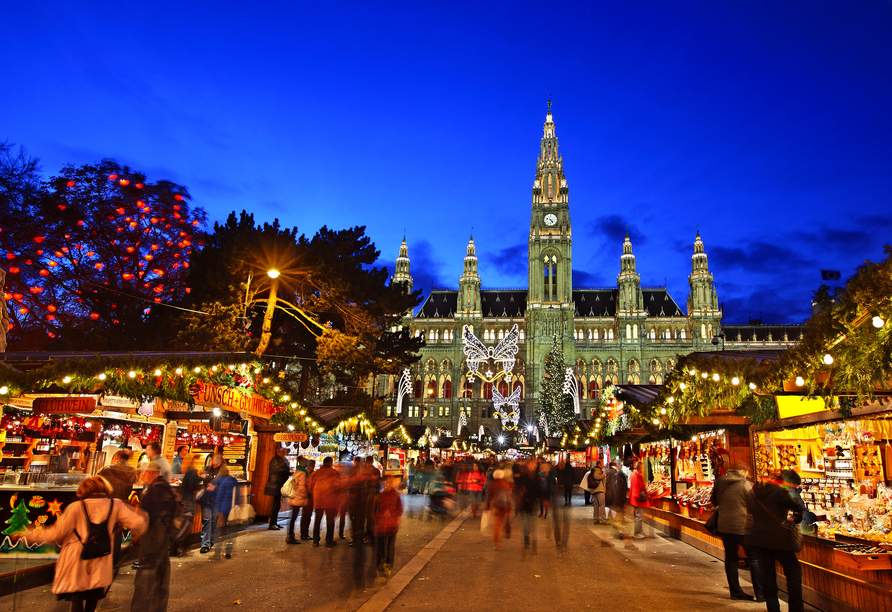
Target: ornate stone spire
(469, 284)
(629, 280)
(402, 267)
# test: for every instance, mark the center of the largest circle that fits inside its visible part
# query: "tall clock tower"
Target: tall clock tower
(549, 301)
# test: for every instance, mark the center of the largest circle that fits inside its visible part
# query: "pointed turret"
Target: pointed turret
(402, 267)
(703, 302)
(702, 297)
(629, 280)
(469, 285)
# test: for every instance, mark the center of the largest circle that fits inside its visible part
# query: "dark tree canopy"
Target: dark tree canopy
(90, 252)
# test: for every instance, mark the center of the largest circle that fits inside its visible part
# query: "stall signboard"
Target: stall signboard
(796, 405)
(64, 405)
(222, 424)
(217, 396)
(252, 457)
(296, 436)
(204, 427)
(116, 401)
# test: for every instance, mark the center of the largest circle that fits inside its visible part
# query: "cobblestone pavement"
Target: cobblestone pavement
(440, 565)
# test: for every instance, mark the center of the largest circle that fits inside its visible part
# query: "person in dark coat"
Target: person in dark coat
(566, 474)
(615, 497)
(729, 494)
(768, 506)
(151, 589)
(121, 477)
(279, 472)
(526, 486)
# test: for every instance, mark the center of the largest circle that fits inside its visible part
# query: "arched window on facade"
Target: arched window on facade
(610, 334)
(503, 388)
(628, 332)
(487, 390)
(468, 391)
(431, 390)
(593, 391)
(447, 389)
(682, 334)
(417, 389)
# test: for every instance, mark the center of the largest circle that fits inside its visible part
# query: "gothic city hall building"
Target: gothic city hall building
(628, 334)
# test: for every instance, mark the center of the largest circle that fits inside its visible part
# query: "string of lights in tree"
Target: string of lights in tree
(134, 240)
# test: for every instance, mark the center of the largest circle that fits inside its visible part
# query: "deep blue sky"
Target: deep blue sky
(767, 124)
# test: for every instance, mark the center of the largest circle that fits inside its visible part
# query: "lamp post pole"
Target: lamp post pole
(268, 315)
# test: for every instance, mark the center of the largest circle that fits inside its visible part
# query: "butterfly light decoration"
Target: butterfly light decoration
(508, 415)
(478, 354)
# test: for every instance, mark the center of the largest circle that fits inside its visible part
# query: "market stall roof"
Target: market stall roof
(443, 442)
(385, 426)
(642, 394)
(762, 358)
(415, 431)
(332, 415)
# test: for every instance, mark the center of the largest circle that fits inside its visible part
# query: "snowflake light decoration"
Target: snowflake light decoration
(405, 385)
(462, 422)
(572, 389)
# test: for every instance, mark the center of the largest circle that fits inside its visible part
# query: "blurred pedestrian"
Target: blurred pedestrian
(177, 467)
(768, 507)
(300, 499)
(638, 498)
(151, 589)
(729, 497)
(121, 476)
(615, 497)
(224, 485)
(371, 484)
(598, 488)
(566, 475)
(208, 503)
(325, 487)
(153, 452)
(526, 485)
(279, 472)
(189, 486)
(307, 514)
(498, 503)
(81, 581)
(547, 480)
(472, 481)
(388, 514)
(583, 484)
(410, 476)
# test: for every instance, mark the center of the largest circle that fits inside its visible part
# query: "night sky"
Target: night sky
(766, 124)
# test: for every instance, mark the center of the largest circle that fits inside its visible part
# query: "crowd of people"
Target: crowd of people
(500, 492)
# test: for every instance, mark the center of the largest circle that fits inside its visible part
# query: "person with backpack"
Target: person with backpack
(84, 569)
(498, 502)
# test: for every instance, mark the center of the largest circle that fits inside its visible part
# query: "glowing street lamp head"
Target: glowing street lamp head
(273, 273)
(501, 439)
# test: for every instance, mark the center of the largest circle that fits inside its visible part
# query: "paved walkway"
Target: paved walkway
(442, 566)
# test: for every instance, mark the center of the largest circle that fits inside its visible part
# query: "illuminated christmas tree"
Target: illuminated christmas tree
(554, 405)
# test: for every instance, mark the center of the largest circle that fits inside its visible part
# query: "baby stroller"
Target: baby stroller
(442, 498)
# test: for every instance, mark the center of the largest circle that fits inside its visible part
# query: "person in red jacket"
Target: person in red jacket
(471, 482)
(325, 487)
(388, 514)
(639, 498)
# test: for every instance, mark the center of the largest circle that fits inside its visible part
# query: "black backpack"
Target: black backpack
(98, 541)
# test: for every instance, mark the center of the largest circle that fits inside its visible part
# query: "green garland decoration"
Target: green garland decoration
(167, 378)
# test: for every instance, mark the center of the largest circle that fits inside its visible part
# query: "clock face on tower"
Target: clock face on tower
(550, 219)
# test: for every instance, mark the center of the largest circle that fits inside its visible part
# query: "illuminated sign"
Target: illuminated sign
(64, 405)
(290, 437)
(796, 405)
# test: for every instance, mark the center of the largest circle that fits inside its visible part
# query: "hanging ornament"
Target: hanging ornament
(196, 389)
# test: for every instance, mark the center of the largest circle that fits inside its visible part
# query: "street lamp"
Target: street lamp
(268, 315)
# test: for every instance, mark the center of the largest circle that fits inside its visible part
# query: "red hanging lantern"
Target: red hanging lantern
(10, 256)
(138, 185)
(52, 264)
(51, 308)
(124, 182)
(39, 239)
(51, 317)
(14, 270)
(70, 184)
(177, 197)
(112, 177)
(36, 290)
(94, 316)
(127, 276)
(44, 272)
